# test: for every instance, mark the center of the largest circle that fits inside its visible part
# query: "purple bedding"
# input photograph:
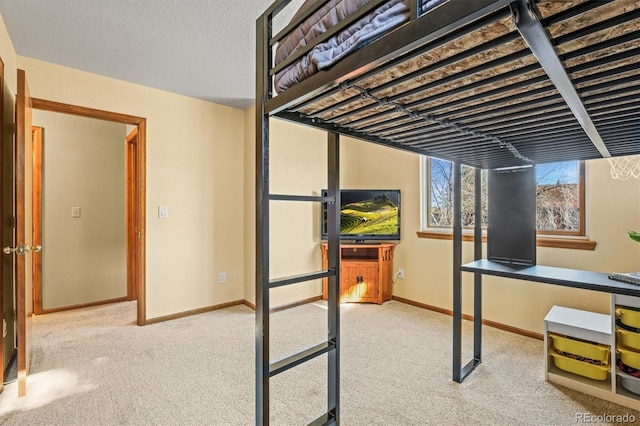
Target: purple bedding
(361, 32)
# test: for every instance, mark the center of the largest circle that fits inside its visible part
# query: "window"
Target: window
(560, 196)
(440, 195)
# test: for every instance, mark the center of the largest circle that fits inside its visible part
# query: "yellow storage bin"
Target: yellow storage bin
(629, 317)
(629, 357)
(582, 368)
(582, 348)
(628, 338)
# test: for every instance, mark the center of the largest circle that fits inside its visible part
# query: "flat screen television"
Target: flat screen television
(367, 215)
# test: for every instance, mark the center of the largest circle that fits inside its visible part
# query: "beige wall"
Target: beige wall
(249, 219)
(428, 263)
(298, 166)
(194, 166)
(84, 259)
(8, 55)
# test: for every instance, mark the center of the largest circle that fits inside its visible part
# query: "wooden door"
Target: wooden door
(349, 282)
(369, 286)
(23, 258)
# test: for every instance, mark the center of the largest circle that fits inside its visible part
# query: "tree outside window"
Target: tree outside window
(559, 202)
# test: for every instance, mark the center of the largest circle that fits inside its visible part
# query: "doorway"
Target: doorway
(79, 186)
(135, 149)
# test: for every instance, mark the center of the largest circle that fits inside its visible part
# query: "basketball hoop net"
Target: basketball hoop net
(624, 168)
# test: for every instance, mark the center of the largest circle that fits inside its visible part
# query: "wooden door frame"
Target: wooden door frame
(137, 259)
(36, 132)
(131, 177)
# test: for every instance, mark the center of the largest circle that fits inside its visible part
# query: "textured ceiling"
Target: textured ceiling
(199, 48)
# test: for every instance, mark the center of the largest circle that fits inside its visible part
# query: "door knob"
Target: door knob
(21, 250)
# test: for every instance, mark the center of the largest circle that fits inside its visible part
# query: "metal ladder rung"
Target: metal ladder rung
(304, 356)
(325, 419)
(301, 278)
(313, 198)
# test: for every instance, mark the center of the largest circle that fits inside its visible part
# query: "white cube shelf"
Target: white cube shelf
(593, 327)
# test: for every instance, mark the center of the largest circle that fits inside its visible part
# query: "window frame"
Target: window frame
(574, 239)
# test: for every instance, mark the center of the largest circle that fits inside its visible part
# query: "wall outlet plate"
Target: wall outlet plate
(163, 212)
(401, 273)
(222, 277)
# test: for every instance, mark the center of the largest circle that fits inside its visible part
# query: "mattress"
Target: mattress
(363, 31)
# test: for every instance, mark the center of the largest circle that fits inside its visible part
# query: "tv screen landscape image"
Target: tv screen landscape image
(367, 214)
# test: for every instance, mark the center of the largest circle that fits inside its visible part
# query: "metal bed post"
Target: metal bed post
(460, 371)
(477, 279)
(262, 223)
(414, 8)
(333, 288)
(457, 274)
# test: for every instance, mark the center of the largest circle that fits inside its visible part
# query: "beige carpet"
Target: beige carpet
(95, 367)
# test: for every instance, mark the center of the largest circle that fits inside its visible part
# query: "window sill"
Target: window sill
(575, 243)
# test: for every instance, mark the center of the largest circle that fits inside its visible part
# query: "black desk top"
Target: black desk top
(577, 278)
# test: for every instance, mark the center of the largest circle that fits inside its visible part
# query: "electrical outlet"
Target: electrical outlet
(222, 277)
(75, 212)
(401, 273)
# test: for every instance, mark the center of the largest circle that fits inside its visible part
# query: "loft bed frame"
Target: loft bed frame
(491, 84)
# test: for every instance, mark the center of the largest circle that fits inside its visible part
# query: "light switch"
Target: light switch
(75, 212)
(163, 212)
